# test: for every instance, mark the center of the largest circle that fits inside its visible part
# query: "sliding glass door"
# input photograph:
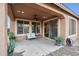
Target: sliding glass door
(36, 27)
(50, 29)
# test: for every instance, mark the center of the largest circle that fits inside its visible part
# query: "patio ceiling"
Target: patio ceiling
(29, 10)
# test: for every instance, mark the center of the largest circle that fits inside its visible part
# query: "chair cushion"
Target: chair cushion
(31, 35)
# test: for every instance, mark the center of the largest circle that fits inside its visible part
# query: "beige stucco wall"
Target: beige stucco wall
(12, 20)
(42, 28)
(74, 36)
(21, 37)
(77, 29)
(62, 27)
(3, 31)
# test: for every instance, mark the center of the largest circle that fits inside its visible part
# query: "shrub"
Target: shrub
(59, 40)
(11, 47)
(10, 35)
(11, 43)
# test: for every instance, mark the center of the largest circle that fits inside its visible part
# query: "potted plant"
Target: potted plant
(58, 40)
(11, 43)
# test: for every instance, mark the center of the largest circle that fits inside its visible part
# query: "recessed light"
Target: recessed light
(44, 17)
(18, 11)
(22, 12)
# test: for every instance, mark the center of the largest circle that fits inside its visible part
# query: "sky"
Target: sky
(8, 22)
(73, 6)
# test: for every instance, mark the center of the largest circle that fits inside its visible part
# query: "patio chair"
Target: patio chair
(31, 35)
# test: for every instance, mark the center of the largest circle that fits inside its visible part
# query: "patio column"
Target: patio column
(77, 29)
(3, 32)
(12, 20)
(30, 29)
(41, 30)
(62, 29)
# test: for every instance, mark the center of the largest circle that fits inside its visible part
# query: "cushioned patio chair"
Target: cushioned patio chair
(31, 35)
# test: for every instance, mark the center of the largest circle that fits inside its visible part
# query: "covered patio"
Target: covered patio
(25, 17)
(39, 19)
(35, 47)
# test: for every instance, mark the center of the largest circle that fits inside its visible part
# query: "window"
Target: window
(72, 27)
(8, 23)
(38, 27)
(22, 27)
(19, 27)
(35, 27)
(26, 27)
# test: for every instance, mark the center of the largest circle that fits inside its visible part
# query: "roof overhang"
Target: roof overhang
(60, 5)
(28, 10)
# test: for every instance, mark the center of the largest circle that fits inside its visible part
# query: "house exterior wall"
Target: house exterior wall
(3, 31)
(12, 24)
(21, 37)
(77, 29)
(73, 37)
(62, 29)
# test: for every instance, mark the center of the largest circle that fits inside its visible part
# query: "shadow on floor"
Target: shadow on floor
(18, 54)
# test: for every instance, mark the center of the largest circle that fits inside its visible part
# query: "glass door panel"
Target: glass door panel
(35, 27)
(51, 29)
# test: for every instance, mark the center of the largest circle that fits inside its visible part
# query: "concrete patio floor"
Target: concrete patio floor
(35, 47)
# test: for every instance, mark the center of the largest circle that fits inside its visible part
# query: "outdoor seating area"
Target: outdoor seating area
(31, 35)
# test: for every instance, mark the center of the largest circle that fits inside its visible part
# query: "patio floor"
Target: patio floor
(35, 47)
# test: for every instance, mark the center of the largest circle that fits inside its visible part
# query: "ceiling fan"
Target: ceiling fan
(36, 17)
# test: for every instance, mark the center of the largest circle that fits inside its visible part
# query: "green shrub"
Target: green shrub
(10, 35)
(11, 47)
(11, 43)
(59, 40)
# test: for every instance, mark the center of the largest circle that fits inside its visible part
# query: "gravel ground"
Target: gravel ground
(66, 51)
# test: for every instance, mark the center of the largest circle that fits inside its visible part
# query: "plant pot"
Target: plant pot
(58, 44)
(10, 54)
(11, 47)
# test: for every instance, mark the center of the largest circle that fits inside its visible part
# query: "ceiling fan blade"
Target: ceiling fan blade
(35, 17)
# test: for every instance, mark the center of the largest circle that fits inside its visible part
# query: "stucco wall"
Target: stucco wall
(41, 28)
(3, 31)
(77, 29)
(62, 27)
(21, 37)
(73, 36)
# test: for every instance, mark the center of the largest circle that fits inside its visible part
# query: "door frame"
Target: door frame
(58, 24)
(36, 22)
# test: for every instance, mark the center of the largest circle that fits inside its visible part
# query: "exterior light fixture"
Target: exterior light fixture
(20, 11)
